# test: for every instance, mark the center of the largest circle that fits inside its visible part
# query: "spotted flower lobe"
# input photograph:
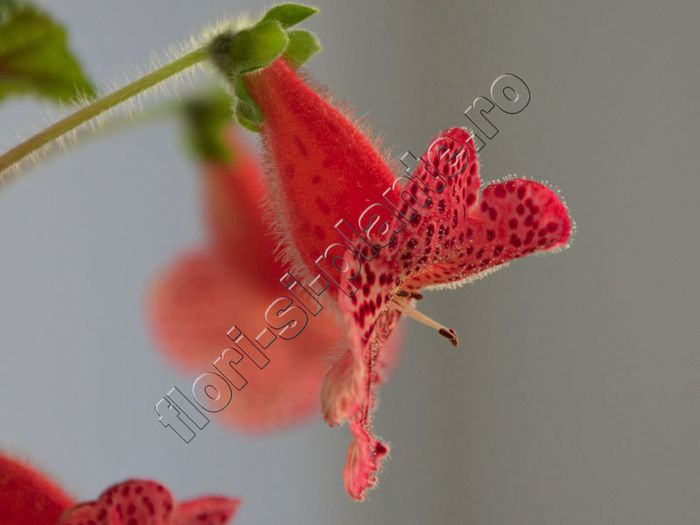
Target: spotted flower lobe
(463, 232)
(144, 502)
(205, 510)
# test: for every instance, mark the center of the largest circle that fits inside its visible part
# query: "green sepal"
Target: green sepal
(207, 117)
(302, 46)
(247, 116)
(256, 47)
(248, 113)
(34, 56)
(289, 15)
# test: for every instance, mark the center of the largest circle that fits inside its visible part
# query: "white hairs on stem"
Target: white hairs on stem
(175, 87)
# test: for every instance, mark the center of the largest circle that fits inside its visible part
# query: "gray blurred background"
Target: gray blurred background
(574, 397)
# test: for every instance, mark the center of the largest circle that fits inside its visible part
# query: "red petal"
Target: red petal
(364, 461)
(133, 502)
(206, 511)
(90, 513)
(195, 303)
(460, 236)
(341, 394)
(447, 178)
(514, 219)
(27, 497)
(344, 388)
(350, 387)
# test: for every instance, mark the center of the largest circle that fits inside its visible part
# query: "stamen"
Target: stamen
(411, 312)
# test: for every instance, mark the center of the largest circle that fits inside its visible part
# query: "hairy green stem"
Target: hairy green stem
(90, 111)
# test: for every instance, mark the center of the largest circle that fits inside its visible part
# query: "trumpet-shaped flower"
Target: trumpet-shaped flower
(381, 240)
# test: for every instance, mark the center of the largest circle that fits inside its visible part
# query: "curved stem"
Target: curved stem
(72, 121)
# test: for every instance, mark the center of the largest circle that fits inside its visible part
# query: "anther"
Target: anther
(409, 294)
(399, 302)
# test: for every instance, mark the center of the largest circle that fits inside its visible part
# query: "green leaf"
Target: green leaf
(302, 46)
(34, 57)
(289, 14)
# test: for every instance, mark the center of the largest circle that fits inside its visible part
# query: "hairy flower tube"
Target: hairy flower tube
(28, 497)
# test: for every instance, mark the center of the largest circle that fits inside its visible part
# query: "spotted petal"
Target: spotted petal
(133, 502)
(205, 511)
(462, 236)
(88, 513)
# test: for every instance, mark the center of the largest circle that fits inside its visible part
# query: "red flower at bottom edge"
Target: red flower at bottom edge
(29, 497)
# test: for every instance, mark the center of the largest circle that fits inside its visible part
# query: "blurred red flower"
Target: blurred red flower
(233, 279)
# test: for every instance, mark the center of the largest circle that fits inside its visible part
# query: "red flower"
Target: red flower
(144, 502)
(28, 497)
(435, 230)
(233, 280)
